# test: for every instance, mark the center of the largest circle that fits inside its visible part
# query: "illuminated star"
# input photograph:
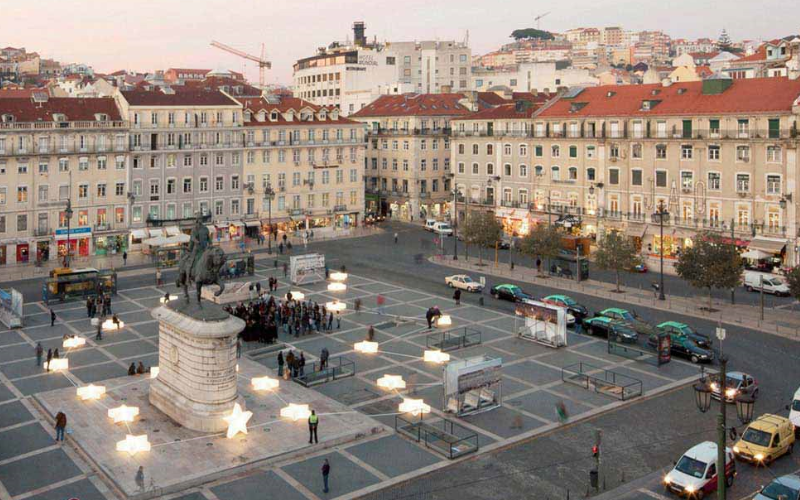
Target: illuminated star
(237, 421)
(123, 413)
(134, 444)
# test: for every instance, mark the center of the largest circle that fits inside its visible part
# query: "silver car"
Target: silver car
(784, 488)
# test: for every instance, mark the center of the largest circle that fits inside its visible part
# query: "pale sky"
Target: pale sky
(145, 35)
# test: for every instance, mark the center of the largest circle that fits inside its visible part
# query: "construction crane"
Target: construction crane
(263, 64)
(539, 18)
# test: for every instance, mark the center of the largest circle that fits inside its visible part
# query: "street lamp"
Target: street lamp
(454, 216)
(659, 217)
(269, 194)
(68, 214)
(744, 410)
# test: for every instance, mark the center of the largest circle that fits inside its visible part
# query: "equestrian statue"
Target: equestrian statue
(201, 262)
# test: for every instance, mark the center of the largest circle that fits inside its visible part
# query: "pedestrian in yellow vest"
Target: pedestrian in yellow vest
(313, 421)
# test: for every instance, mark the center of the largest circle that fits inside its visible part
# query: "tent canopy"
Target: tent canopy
(771, 246)
(756, 254)
(138, 234)
(160, 241)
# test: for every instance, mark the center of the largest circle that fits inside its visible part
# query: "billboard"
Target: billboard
(308, 268)
(543, 323)
(11, 308)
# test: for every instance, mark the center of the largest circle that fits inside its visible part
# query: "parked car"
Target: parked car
(695, 474)
(685, 342)
(603, 326)
(794, 412)
(464, 282)
(771, 284)
(736, 383)
(766, 439)
(372, 218)
(443, 228)
(577, 310)
(429, 224)
(640, 268)
(512, 293)
(783, 488)
(629, 318)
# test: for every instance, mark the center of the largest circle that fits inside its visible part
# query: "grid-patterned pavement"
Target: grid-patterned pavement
(532, 385)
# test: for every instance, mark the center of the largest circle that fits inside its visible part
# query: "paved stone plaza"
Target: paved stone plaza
(532, 386)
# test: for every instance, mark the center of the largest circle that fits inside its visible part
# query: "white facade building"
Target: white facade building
(542, 77)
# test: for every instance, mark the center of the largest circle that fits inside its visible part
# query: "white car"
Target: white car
(794, 412)
(464, 282)
(429, 224)
(443, 229)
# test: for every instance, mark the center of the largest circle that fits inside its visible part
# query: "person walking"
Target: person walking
(52, 317)
(323, 358)
(429, 317)
(99, 335)
(124, 258)
(61, 425)
(238, 348)
(457, 296)
(330, 322)
(140, 478)
(280, 363)
(395, 238)
(39, 353)
(290, 363)
(313, 422)
(49, 358)
(380, 300)
(158, 277)
(301, 365)
(326, 471)
(280, 248)
(285, 270)
(371, 334)
(89, 307)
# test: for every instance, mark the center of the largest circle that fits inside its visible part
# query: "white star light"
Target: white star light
(264, 383)
(73, 342)
(164, 300)
(123, 413)
(295, 412)
(91, 391)
(392, 382)
(237, 421)
(109, 325)
(414, 407)
(337, 276)
(436, 356)
(57, 364)
(335, 306)
(134, 444)
(366, 346)
(444, 320)
(337, 287)
(297, 296)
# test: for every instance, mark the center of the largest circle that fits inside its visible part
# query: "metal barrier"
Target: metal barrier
(453, 339)
(443, 436)
(336, 368)
(602, 381)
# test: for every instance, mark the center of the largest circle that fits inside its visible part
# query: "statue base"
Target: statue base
(234, 292)
(196, 383)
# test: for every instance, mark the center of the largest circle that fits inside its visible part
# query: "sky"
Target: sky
(145, 35)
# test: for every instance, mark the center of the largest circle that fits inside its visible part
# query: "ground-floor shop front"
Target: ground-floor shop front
(411, 210)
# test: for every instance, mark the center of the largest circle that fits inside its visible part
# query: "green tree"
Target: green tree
(710, 263)
(481, 229)
(529, 33)
(793, 280)
(616, 253)
(543, 242)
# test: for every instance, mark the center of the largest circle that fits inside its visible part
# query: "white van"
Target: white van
(443, 228)
(772, 283)
(794, 413)
(695, 474)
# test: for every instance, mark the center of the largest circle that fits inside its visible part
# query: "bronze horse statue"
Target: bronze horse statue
(204, 272)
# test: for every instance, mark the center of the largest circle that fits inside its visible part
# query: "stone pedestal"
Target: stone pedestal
(196, 384)
(234, 292)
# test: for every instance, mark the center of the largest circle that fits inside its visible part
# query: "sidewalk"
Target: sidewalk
(14, 271)
(788, 325)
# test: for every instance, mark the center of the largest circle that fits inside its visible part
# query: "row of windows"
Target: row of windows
(188, 118)
(402, 185)
(423, 144)
(422, 166)
(84, 164)
(43, 190)
(81, 218)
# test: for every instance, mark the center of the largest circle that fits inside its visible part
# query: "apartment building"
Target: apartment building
(407, 168)
(311, 160)
(186, 157)
(55, 153)
(527, 77)
(719, 155)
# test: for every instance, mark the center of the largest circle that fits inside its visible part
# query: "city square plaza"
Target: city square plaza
(359, 417)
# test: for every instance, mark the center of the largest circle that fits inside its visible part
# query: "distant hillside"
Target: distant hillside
(531, 33)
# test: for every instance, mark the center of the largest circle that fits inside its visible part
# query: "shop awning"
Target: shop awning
(212, 228)
(155, 232)
(161, 241)
(173, 231)
(237, 223)
(756, 254)
(771, 246)
(253, 223)
(139, 234)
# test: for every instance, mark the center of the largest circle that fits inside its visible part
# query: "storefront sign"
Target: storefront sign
(367, 60)
(74, 230)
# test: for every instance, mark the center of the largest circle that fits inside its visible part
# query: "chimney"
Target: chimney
(359, 38)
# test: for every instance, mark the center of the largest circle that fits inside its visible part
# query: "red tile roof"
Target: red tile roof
(756, 95)
(703, 71)
(492, 98)
(414, 105)
(283, 105)
(16, 93)
(704, 55)
(179, 98)
(758, 55)
(75, 109)
(217, 82)
(539, 97)
(509, 111)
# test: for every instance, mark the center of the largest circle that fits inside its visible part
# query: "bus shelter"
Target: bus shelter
(79, 284)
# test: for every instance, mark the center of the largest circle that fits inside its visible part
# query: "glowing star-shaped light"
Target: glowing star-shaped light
(264, 383)
(444, 320)
(295, 412)
(436, 356)
(57, 364)
(153, 372)
(298, 296)
(73, 342)
(335, 306)
(109, 325)
(237, 421)
(337, 276)
(366, 347)
(392, 382)
(123, 413)
(134, 444)
(414, 407)
(164, 299)
(337, 287)
(91, 391)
